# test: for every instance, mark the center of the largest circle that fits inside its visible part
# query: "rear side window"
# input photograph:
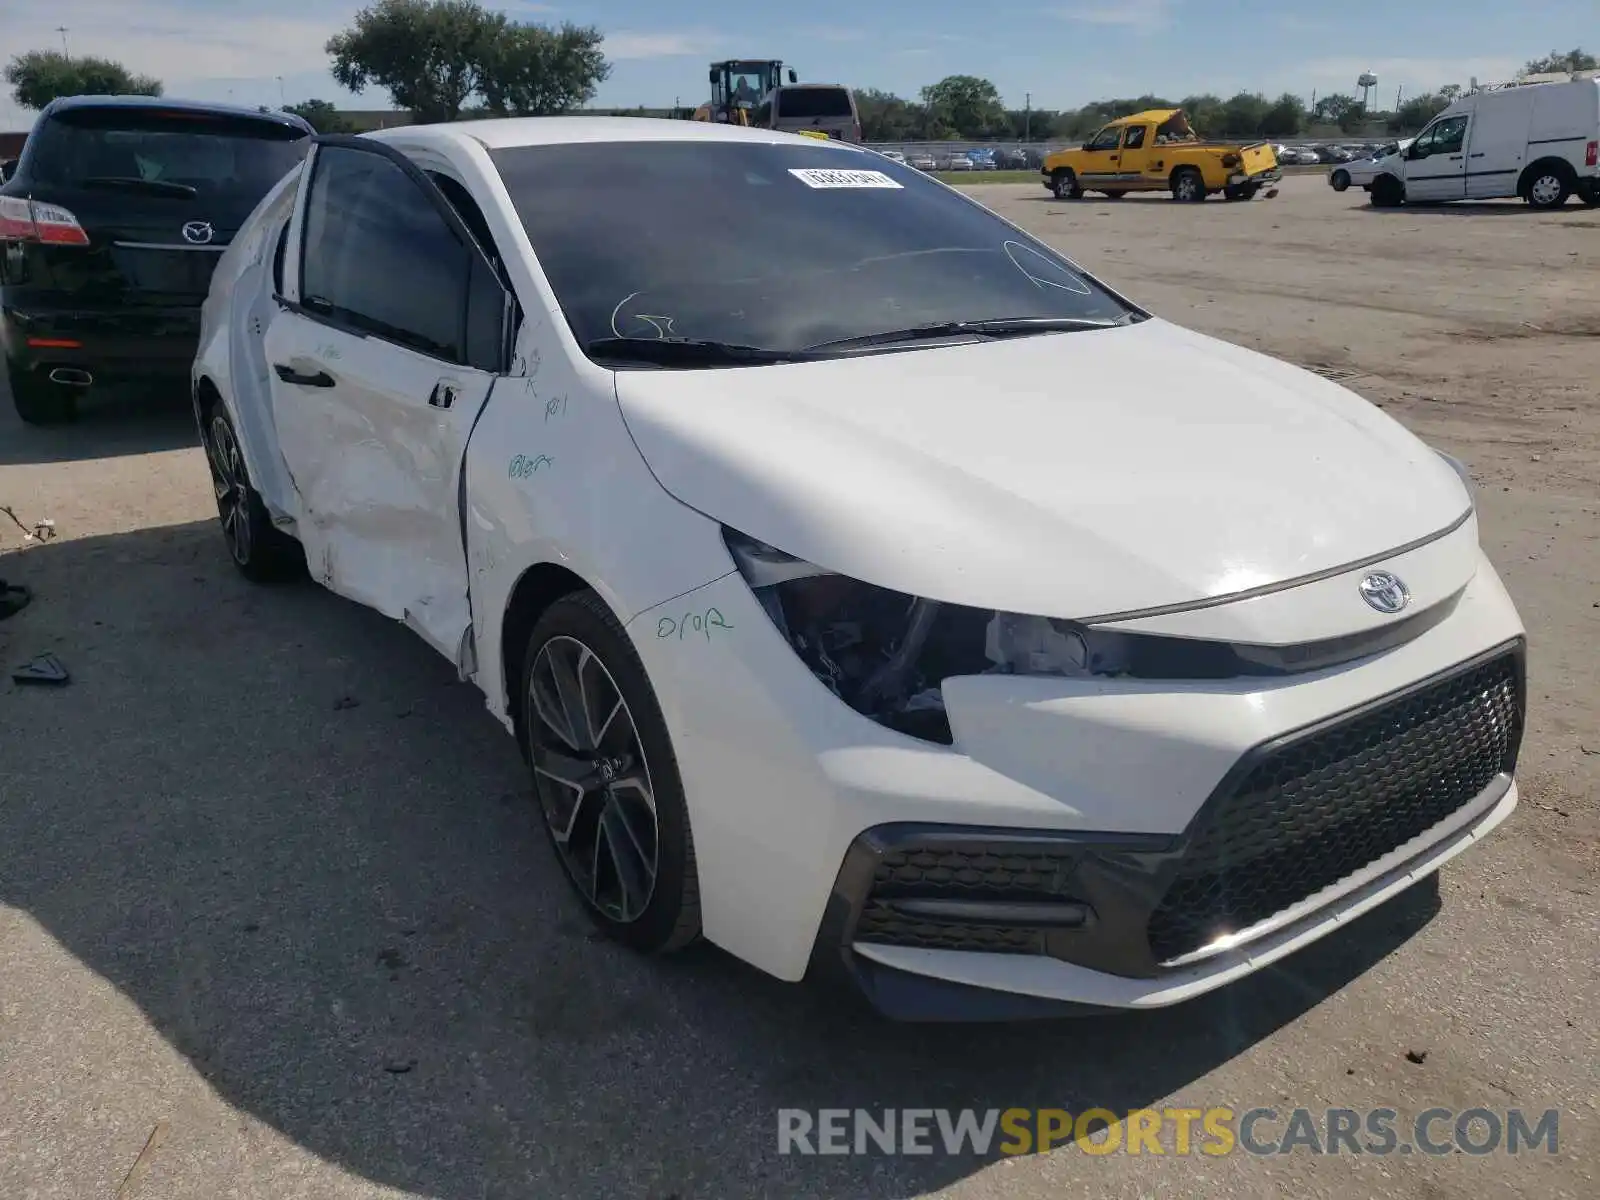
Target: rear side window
(806, 103)
(379, 256)
(212, 153)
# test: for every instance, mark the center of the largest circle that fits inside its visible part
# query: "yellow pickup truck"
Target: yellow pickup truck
(1158, 151)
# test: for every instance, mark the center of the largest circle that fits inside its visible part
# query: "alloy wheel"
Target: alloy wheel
(592, 779)
(232, 486)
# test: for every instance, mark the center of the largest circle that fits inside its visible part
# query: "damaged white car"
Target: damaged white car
(869, 588)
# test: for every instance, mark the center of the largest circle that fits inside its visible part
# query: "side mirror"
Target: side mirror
(7, 169)
(713, 76)
(793, 78)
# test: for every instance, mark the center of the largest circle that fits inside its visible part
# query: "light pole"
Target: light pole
(1027, 116)
(62, 30)
(283, 100)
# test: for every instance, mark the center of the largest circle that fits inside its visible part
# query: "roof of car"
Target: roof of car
(508, 132)
(70, 103)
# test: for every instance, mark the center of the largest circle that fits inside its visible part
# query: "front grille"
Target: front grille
(948, 873)
(1317, 809)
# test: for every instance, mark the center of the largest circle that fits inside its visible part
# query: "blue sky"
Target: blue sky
(1063, 52)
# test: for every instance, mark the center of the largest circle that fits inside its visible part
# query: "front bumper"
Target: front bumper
(1259, 179)
(1306, 832)
(40, 334)
(1125, 787)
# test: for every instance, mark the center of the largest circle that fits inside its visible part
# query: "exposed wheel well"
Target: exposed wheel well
(540, 587)
(1533, 169)
(206, 398)
(1172, 179)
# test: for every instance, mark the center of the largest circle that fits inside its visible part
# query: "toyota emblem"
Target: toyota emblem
(198, 233)
(1384, 592)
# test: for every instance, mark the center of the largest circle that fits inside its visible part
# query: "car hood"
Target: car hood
(1072, 475)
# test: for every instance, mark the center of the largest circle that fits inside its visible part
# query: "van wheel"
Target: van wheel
(1188, 185)
(1340, 180)
(1548, 187)
(1387, 192)
(1065, 185)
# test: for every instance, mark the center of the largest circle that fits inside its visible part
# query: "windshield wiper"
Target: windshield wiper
(689, 352)
(998, 327)
(133, 183)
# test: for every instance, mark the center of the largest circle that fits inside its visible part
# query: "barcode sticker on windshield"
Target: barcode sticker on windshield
(814, 177)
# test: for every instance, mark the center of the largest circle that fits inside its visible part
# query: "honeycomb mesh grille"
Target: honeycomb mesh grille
(1319, 809)
(955, 874)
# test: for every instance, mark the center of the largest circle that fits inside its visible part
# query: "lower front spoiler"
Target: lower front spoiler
(919, 984)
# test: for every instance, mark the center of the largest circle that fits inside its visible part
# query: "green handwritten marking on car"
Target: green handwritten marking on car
(704, 623)
(523, 467)
(555, 406)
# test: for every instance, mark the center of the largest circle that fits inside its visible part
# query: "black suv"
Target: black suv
(110, 226)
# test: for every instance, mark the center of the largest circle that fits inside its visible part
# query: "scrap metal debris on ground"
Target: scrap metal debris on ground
(46, 670)
(42, 531)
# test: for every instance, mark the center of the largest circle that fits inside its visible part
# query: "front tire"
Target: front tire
(38, 401)
(262, 552)
(1188, 186)
(1387, 192)
(1065, 185)
(1340, 180)
(606, 778)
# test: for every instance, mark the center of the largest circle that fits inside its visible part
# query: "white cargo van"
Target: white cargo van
(1540, 141)
(828, 108)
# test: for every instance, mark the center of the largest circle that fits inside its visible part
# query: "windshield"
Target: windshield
(811, 102)
(774, 245)
(212, 153)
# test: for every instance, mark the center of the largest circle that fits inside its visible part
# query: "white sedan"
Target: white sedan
(1362, 171)
(869, 588)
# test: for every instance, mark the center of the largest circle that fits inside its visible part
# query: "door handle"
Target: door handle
(289, 375)
(1455, 158)
(1477, 154)
(443, 395)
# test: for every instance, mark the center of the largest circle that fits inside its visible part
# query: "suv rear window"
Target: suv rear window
(808, 102)
(213, 153)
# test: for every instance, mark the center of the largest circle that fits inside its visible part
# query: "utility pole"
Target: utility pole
(62, 30)
(1397, 92)
(283, 99)
(1027, 117)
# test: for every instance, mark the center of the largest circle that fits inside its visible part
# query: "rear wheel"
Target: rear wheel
(1548, 187)
(1188, 186)
(1065, 185)
(262, 552)
(606, 778)
(38, 401)
(1340, 180)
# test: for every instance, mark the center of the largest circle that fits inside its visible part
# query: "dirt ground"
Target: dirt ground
(276, 920)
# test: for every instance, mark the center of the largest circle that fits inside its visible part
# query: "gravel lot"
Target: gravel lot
(274, 907)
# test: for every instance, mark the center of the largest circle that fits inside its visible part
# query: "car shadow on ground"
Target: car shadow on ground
(1483, 208)
(280, 826)
(112, 422)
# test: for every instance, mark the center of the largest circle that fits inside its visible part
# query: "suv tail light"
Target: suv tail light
(24, 220)
(1591, 153)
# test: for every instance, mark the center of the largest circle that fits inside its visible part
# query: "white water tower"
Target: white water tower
(1366, 83)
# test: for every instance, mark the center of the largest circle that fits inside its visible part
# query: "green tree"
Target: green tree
(428, 54)
(531, 71)
(1207, 114)
(40, 76)
(886, 117)
(1242, 115)
(1284, 118)
(1556, 60)
(964, 105)
(322, 116)
(1416, 112)
(1335, 107)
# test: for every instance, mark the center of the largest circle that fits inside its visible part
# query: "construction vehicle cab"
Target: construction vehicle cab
(738, 85)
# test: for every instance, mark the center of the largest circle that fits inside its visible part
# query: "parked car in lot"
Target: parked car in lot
(894, 156)
(982, 159)
(109, 230)
(955, 162)
(1031, 725)
(923, 161)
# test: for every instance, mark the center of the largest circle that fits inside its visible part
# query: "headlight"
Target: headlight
(885, 653)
